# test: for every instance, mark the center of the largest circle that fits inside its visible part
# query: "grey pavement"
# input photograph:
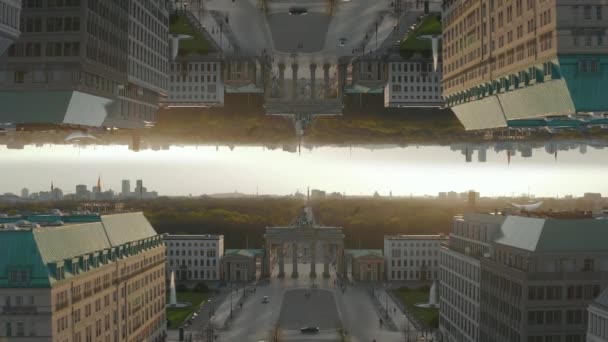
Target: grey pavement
(359, 317)
(309, 308)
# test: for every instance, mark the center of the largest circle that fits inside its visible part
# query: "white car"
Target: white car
(265, 300)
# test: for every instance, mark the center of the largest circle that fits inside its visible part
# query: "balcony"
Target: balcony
(62, 305)
(22, 309)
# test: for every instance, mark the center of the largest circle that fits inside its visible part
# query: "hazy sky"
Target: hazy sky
(404, 171)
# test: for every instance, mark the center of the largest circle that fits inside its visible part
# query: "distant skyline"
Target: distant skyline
(181, 171)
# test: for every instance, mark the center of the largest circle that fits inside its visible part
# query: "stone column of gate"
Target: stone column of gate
(281, 80)
(341, 78)
(294, 272)
(340, 260)
(294, 81)
(313, 88)
(326, 90)
(281, 252)
(313, 259)
(326, 260)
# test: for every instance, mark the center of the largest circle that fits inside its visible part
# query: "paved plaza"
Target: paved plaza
(354, 307)
(309, 308)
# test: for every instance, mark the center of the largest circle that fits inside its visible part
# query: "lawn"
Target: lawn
(430, 25)
(411, 297)
(177, 316)
(197, 45)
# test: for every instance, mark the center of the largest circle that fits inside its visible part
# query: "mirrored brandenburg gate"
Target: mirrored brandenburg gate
(312, 237)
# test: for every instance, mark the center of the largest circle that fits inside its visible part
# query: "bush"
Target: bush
(181, 288)
(201, 287)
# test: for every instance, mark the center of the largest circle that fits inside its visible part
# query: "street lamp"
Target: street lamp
(231, 300)
(386, 298)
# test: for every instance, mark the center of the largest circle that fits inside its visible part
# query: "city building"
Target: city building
(148, 56)
(412, 83)
(82, 192)
(194, 257)
(9, 23)
(25, 193)
(460, 274)
(97, 64)
(242, 75)
(195, 81)
(511, 60)
(125, 188)
(521, 278)
(366, 76)
(412, 257)
(364, 264)
(241, 265)
(598, 318)
(91, 281)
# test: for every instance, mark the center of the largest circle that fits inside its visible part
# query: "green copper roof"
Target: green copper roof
(123, 228)
(18, 250)
(363, 89)
(554, 235)
(250, 253)
(37, 249)
(244, 89)
(536, 101)
(588, 89)
(60, 243)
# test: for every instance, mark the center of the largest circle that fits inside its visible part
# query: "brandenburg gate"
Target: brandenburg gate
(304, 232)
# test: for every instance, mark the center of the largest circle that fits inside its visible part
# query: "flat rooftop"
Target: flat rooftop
(416, 237)
(193, 237)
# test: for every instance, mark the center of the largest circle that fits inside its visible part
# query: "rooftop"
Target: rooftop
(602, 299)
(416, 237)
(553, 235)
(250, 253)
(40, 250)
(193, 237)
(358, 253)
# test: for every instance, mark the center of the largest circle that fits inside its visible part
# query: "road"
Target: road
(357, 313)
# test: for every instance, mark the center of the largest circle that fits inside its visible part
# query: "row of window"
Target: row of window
(598, 326)
(397, 88)
(208, 253)
(9, 15)
(195, 67)
(396, 253)
(191, 244)
(203, 262)
(417, 97)
(416, 263)
(192, 97)
(413, 275)
(211, 88)
(195, 78)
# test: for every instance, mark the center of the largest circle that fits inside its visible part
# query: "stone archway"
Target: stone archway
(304, 232)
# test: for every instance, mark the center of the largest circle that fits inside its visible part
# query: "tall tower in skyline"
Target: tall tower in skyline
(126, 187)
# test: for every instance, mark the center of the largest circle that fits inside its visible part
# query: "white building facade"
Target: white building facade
(460, 274)
(412, 257)
(598, 319)
(413, 83)
(9, 23)
(195, 82)
(194, 257)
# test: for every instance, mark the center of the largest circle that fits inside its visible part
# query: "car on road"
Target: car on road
(309, 330)
(342, 41)
(298, 11)
(265, 300)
